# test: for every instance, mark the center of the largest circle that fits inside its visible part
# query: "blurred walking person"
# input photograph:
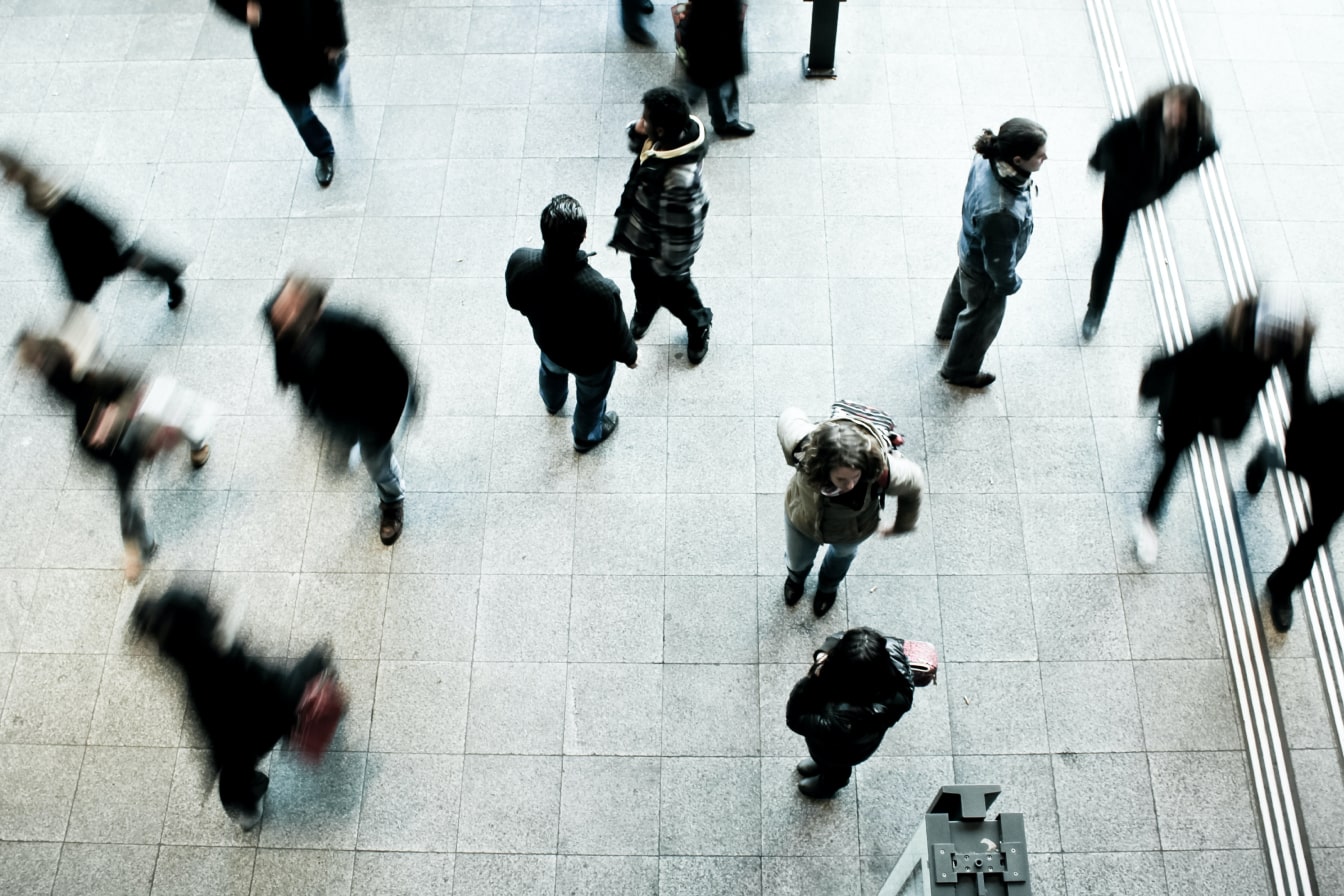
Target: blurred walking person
(996, 227)
(1210, 387)
(300, 45)
(1311, 450)
(244, 705)
(86, 243)
(661, 218)
(632, 21)
(121, 421)
(577, 321)
(714, 40)
(1143, 157)
(859, 686)
(350, 379)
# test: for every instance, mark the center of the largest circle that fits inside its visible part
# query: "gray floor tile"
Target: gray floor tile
(39, 790)
(194, 816)
(798, 875)
(996, 708)
(710, 710)
(403, 873)
(1170, 617)
(122, 795)
(1202, 799)
(504, 875)
(1115, 873)
(969, 455)
(616, 619)
(421, 707)
(704, 875)
(609, 805)
(986, 619)
(905, 782)
(977, 534)
(430, 618)
(115, 869)
(642, 520)
(710, 807)
(1064, 633)
(710, 619)
(1171, 721)
(1092, 707)
(344, 610)
(410, 802)
(636, 875)
(710, 544)
(311, 807)
(1068, 533)
(794, 825)
(51, 699)
(199, 870)
(608, 709)
(277, 871)
(140, 703)
(542, 600)
(71, 611)
(1084, 781)
(510, 804)
(502, 694)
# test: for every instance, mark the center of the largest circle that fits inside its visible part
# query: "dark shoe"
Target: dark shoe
(389, 528)
(1091, 320)
(793, 590)
(640, 35)
(199, 456)
(824, 599)
(697, 344)
(609, 421)
(639, 325)
(975, 381)
(646, 7)
(816, 788)
(1281, 610)
(326, 170)
(1256, 471)
(808, 768)
(176, 294)
(736, 129)
(941, 338)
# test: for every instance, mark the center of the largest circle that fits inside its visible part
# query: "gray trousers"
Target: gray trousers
(971, 316)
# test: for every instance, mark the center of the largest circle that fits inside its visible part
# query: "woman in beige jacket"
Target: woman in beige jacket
(845, 470)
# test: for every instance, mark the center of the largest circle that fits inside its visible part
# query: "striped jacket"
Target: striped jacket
(663, 205)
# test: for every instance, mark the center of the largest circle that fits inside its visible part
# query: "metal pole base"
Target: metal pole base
(809, 72)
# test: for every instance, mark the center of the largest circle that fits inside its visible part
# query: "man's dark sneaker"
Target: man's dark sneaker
(736, 129)
(639, 324)
(1091, 321)
(389, 527)
(974, 381)
(326, 170)
(609, 421)
(697, 344)
(176, 293)
(1256, 471)
(640, 35)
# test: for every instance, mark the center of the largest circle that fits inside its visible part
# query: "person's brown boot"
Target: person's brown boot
(199, 456)
(389, 529)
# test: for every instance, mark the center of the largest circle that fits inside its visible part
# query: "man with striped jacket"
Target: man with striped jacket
(662, 217)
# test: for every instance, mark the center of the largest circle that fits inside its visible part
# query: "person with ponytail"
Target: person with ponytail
(996, 226)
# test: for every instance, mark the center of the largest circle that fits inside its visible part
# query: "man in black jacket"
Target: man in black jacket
(300, 45)
(350, 378)
(576, 318)
(713, 40)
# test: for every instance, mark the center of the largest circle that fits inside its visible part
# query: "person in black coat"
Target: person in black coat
(350, 378)
(1311, 451)
(1210, 387)
(122, 421)
(85, 243)
(244, 706)
(1143, 157)
(858, 687)
(300, 45)
(577, 320)
(713, 37)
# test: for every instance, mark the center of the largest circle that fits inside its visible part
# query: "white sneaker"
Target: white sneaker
(1145, 542)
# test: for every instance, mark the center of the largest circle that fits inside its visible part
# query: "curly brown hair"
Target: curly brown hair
(840, 443)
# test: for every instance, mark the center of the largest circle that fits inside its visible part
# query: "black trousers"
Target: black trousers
(677, 294)
(1115, 213)
(836, 764)
(1173, 446)
(1326, 510)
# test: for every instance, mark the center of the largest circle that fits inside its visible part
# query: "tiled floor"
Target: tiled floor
(569, 675)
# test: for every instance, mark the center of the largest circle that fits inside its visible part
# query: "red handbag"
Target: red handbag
(320, 711)
(923, 659)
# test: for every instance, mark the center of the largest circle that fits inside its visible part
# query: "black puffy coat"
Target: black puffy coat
(1131, 156)
(292, 40)
(713, 38)
(845, 733)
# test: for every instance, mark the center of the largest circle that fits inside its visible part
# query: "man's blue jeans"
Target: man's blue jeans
(590, 396)
(315, 134)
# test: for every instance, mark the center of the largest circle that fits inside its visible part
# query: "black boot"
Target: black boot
(794, 583)
(1280, 604)
(824, 599)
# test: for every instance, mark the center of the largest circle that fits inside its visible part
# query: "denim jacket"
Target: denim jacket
(996, 226)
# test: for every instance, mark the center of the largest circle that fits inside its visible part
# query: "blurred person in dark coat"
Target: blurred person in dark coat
(85, 243)
(1311, 450)
(300, 45)
(714, 39)
(632, 22)
(859, 686)
(577, 320)
(244, 705)
(661, 218)
(350, 378)
(1143, 156)
(1210, 387)
(121, 421)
